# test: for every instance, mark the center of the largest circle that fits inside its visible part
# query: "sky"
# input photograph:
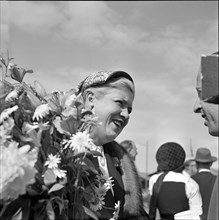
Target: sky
(158, 42)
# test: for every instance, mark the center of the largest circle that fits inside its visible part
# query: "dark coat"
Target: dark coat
(206, 182)
(126, 182)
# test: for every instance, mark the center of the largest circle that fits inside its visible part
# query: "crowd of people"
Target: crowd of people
(185, 187)
(181, 188)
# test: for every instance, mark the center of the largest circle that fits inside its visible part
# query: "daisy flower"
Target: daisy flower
(5, 129)
(7, 112)
(60, 173)
(53, 161)
(41, 111)
(116, 212)
(12, 96)
(97, 203)
(79, 142)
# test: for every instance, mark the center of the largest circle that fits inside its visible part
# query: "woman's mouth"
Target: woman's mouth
(118, 122)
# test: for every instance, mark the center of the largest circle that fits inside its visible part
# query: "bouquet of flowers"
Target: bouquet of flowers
(47, 157)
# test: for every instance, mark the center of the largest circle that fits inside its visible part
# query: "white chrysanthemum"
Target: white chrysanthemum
(107, 182)
(27, 127)
(60, 173)
(53, 161)
(116, 212)
(101, 190)
(97, 203)
(11, 66)
(12, 95)
(80, 142)
(17, 170)
(71, 99)
(41, 111)
(5, 129)
(6, 113)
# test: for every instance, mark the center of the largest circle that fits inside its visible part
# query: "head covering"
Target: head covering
(100, 78)
(209, 81)
(170, 157)
(203, 155)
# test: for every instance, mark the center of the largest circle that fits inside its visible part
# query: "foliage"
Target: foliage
(47, 158)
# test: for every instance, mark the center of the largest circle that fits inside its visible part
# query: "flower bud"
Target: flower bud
(39, 89)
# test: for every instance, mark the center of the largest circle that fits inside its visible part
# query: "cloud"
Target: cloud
(95, 23)
(88, 22)
(63, 78)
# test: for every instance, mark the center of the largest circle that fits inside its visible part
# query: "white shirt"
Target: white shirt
(192, 190)
(186, 174)
(103, 164)
(204, 170)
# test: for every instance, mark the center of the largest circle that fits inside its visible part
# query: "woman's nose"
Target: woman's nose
(125, 113)
(197, 106)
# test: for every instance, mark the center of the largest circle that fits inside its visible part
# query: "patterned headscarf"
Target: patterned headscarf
(100, 78)
(170, 157)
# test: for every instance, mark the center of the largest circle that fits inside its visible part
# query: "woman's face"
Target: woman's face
(113, 110)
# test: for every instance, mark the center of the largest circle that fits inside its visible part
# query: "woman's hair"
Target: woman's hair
(111, 83)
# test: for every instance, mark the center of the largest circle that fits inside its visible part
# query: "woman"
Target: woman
(110, 95)
(175, 195)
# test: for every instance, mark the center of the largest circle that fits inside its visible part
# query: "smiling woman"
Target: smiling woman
(110, 95)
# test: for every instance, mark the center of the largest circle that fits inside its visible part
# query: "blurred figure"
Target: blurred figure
(207, 106)
(175, 195)
(204, 177)
(190, 167)
(130, 147)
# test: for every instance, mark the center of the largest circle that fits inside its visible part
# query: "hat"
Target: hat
(100, 78)
(204, 155)
(170, 157)
(209, 71)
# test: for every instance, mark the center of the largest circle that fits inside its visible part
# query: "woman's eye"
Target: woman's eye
(119, 102)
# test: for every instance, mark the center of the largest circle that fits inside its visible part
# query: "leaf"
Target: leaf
(26, 209)
(56, 187)
(90, 213)
(39, 89)
(90, 166)
(50, 211)
(39, 210)
(5, 88)
(19, 73)
(61, 203)
(49, 177)
(68, 126)
(88, 154)
(11, 209)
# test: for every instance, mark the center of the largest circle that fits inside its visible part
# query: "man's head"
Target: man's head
(131, 148)
(190, 166)
(208, 94)
(203, 158)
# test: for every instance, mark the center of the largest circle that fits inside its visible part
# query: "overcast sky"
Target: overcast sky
(158, 42)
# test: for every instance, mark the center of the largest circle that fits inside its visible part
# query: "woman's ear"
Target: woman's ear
(89, 97)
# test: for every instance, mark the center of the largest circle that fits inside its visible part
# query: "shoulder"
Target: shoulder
(114, 149)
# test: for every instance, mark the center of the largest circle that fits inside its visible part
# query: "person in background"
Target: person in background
(175, 195)
(204, 177)
(130, 147)
(190, 167)
(207, 106)
(110, 96)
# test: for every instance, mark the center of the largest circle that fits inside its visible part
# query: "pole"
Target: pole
(146, 165)
(191, 149)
